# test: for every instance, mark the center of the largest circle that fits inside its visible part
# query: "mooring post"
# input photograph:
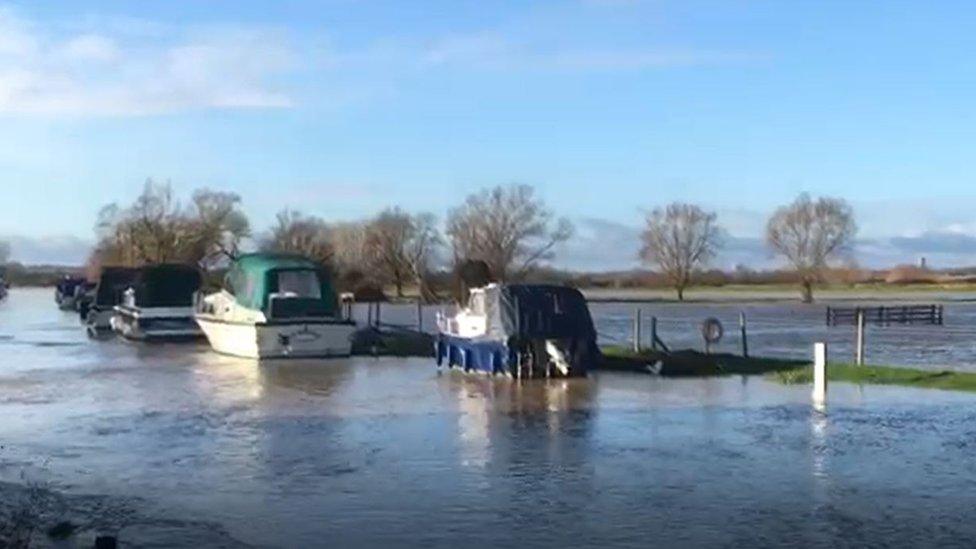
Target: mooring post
(819, 373)
(742, 331)
(369, 313)
(653, 333)
(420, 315)
(859, 356)
(637, 329)
(377, 314)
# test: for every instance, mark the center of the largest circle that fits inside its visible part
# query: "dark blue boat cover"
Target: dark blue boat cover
(537, 311)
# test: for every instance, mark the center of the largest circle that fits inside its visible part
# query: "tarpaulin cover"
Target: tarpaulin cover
(167, 285)
(537, 311)
(66, 286)
(112, 282)
(254, 277)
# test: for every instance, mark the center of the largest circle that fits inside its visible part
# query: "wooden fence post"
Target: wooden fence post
(742, 332)
(420, 315)
(654, 333)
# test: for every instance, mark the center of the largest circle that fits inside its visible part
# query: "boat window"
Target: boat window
(299, 284)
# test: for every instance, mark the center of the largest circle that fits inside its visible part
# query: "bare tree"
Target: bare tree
(157, 229)
(219, 226)
(160, 229)
(506, 227)
(808, 233)
(402, 245)
(679, 240)
(350, 257)
(300, 234)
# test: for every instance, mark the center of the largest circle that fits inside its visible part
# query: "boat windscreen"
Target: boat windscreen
(299, 283)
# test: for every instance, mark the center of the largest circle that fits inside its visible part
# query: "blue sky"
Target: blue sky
(608, 107)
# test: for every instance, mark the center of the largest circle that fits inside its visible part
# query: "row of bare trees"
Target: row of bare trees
(507, 227)
(681, 238)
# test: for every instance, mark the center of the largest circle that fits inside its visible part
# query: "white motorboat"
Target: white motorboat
(275, 306)
(159, 304)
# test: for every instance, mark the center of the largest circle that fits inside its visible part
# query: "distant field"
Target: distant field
(782, 292)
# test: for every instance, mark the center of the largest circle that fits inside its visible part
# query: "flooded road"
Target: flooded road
(211, 450)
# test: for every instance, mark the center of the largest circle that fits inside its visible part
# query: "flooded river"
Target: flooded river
(777, 329)
(198, 449)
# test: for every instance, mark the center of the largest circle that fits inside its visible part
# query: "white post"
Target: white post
(819, 373)
(637, 330)
(859, 357)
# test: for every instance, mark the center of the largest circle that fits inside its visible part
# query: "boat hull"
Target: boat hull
(566, 357)
(66, 302)
(156, 324)
(304, 339)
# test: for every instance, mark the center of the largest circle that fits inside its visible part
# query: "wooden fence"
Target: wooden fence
(886, 315)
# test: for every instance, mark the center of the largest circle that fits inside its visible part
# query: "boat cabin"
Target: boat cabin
(159, 303)
(282, 286)
(112, 285)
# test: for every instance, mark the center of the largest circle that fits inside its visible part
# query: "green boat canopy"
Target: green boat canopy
(254, 277)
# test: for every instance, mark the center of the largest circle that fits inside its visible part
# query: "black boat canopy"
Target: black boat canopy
(112, 282)
(167, 285)
(537, 311)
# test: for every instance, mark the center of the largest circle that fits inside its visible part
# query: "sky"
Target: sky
(610, 108)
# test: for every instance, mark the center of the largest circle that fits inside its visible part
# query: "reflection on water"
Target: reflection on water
(385, 452)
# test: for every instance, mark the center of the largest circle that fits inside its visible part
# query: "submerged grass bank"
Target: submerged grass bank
(791, 372)
(883, 375)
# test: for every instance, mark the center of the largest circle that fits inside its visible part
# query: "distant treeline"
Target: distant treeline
(507, 228)
(442, 282)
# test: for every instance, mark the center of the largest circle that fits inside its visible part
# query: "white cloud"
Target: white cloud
(45, 71)
(90, 47)
(496, 50)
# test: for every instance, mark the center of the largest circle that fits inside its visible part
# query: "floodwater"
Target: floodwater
(205, 450)
(784, 330)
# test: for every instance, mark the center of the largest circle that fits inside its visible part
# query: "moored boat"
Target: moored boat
(66, 292)
(275, 306)
(159, 304)
(521, 330)
(112, 284)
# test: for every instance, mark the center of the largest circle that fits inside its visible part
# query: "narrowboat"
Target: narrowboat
(520, 330)
(275, 306)
(159, 304)
(112, 284)
(65, 292)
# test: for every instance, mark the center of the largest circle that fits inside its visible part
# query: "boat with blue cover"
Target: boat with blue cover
(520, 330)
